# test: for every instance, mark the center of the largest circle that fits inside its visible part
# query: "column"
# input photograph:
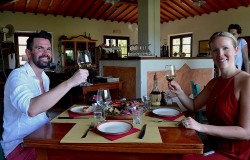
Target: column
(149, 24)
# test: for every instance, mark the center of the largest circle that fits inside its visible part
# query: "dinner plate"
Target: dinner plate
(167, 112)
(79, 110)
(114, 127)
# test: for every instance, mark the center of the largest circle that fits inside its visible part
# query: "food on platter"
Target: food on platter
(87, 109)
(81, 109)
(122, 107)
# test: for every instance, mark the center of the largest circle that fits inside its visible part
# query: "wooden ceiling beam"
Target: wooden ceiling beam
(25, 6)
(59, 8)
(37, 7)
(111, 11)
(87, 9)
(125, 13)
(49, 7)
(129, 16)
(192, 7)
(95, 9)
(122, 11)
(176, 9)
(170, 11)
(167, 15)
(4, 3)
(118, 12)
(102, 10)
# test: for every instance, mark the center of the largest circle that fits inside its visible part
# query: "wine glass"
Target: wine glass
(84, 61)
(103, 99)
(170, 75)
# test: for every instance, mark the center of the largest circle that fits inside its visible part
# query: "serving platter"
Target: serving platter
(166, 112)
(79, 110)
(114, 127)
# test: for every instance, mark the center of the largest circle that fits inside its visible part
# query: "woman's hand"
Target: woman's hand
(175, 87)
(189, 122)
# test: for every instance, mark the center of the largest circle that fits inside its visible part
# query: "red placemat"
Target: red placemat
(115, 137)
(172, 118)
(73, 114)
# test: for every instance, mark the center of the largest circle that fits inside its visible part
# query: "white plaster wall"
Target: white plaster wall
(204, 26)
(59, 25)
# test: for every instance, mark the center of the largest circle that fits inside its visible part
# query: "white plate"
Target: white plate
(167, 112)
(114, 127)
(79, 110)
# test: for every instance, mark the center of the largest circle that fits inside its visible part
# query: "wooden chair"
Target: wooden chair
(200, 115)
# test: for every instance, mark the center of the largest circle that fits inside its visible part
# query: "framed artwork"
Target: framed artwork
(203, 47)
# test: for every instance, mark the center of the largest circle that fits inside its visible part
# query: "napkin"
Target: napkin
(115, 137)
(73, 114)
(171, 118)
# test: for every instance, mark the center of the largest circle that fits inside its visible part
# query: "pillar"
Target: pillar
(149, 24)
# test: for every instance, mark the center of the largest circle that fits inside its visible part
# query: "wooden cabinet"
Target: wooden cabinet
(6, 49)
(71, 47)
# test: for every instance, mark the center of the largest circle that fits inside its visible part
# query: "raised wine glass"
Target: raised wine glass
(170, 72)
(84, 61)
(103, 99)
(170, 75)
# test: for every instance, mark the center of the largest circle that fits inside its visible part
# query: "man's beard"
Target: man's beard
(39, 63)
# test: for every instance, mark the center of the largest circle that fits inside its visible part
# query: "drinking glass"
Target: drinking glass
(170, 75)
(147, 102)
(103, 99)
(137, 112)
(97, 112)
(170, 72)
(84, 61)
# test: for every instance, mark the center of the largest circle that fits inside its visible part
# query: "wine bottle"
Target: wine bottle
(155, 94)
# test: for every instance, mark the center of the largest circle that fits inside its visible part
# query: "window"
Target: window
(20, 39)
(122, 42)
(181, 44)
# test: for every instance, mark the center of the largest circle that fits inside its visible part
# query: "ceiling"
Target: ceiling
(122, 11)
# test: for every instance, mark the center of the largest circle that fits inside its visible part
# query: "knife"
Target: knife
(72, 117)
(142, 133)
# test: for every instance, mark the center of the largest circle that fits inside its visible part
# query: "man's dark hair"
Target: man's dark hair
(235, 26)
(41, 34)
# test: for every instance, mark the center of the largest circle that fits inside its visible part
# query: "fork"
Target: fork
(92, 126)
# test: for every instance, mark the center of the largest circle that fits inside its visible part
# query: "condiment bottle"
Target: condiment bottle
(155, 94)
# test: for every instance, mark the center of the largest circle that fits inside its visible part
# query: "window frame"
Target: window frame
(116, 40)
(181, 36)
(16, 42)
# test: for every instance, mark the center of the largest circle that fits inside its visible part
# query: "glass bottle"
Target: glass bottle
(163, 95)
(155, 94)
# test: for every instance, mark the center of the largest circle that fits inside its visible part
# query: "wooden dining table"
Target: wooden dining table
(176, 142)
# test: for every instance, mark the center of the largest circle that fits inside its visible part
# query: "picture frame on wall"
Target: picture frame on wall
(204, 48)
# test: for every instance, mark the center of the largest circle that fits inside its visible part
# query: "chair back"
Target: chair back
(196, 89)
